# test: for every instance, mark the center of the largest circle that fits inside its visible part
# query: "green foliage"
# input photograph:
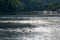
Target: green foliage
(16, 5)
(53, 6)
(29, 5)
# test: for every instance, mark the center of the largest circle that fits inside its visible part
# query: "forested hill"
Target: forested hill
(28, 5)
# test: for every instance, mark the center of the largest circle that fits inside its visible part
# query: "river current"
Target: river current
(43, 28)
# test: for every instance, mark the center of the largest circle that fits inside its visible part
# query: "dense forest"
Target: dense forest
(28, 5)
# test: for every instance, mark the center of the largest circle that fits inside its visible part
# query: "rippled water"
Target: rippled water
(38, 29)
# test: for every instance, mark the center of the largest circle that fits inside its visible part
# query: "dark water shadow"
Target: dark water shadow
(16, 25)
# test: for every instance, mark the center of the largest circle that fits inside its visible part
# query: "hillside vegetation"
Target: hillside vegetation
(28, 5)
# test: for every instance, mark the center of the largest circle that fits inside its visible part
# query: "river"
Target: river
(39, 28)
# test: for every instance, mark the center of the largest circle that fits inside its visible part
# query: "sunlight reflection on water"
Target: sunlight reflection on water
(44, 30)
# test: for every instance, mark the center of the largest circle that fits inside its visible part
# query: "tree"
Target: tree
(11, 5)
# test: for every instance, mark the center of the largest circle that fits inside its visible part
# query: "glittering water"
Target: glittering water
(46, 28)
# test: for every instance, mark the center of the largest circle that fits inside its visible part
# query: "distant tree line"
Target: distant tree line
(28, 5)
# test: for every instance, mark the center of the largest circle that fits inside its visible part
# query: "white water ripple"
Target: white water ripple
(45, 30)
